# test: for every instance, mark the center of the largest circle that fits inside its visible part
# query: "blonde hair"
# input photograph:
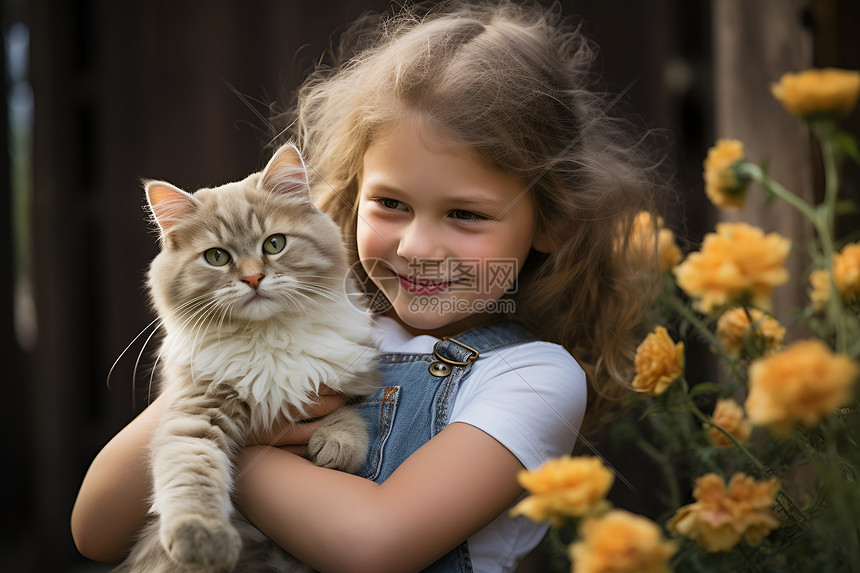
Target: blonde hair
(513, 85)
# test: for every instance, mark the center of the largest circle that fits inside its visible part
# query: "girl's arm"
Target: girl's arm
(111, 504)
(446, 491)
(113, 501)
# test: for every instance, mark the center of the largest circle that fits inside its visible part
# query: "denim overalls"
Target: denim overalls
(415, 401)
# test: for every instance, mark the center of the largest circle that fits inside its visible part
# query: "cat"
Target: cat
(252, 291)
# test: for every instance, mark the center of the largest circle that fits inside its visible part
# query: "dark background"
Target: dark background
(134, 89)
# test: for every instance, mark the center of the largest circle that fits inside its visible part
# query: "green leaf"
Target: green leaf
(846, 207)
(848, 145)
(707, 388)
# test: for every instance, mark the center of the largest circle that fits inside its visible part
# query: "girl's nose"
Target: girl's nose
(421, 241)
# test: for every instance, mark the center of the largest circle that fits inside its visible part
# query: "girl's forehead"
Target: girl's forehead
(401, 162)
(416, 141)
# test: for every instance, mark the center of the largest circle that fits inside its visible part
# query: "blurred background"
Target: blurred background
(99, 94)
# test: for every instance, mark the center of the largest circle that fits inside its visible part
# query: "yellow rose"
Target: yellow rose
(801, 384)
(813, 92)
(738, 261)
(720, 518)
(564, 487)
(659, 362)
(734, 330)
(846, 271)
(644, 248)
(621, 542)
(846, 276)
(721, 183)
(729, 416)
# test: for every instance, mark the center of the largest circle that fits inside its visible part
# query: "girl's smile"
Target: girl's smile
(425, 287)
(433, 221)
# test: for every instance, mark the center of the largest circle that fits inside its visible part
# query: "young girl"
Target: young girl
(486, 191)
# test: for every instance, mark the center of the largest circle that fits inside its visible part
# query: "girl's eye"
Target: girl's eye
(391, 204)
(467, 215)
(275, 244)
(217, 257)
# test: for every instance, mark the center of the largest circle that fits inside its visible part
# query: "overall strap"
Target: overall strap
(464, 348)
(456, 355)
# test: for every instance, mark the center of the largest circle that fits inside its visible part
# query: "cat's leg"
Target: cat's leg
(340, 442)
(191, 488)
(262, 555)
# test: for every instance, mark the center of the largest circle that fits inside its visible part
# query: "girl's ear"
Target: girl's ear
(169, 205)
(543, 242)
(286, 173)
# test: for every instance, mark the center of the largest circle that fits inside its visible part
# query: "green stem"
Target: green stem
(825, 132)
(705, 419)
(823, 219)
(668, 472)
(758, 175)
(685, 311)
(784, 501)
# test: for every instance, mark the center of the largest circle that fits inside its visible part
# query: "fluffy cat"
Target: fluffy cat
(250, 286)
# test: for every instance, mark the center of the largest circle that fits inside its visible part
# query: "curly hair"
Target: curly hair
(513, 85)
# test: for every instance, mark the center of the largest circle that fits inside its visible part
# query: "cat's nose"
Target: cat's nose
(253, 281)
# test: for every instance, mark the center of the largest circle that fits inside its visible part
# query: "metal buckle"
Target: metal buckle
(474, 353)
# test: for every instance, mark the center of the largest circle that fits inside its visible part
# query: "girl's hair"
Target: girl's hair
(513, 85)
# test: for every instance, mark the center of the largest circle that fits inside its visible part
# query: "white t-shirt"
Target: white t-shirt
(531, 398)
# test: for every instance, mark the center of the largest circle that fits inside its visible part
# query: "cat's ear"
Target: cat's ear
(286, 173)
(169, 205)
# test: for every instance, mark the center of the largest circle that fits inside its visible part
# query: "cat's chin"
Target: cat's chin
(257, 309)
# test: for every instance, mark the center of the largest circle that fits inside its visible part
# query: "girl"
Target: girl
(477, 176)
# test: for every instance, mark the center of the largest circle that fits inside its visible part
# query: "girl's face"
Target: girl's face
(440, 234)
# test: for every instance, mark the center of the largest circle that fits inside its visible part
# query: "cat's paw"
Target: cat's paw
(196, 540)
(340, 443)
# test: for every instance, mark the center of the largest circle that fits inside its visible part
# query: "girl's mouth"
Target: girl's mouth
(424, 287)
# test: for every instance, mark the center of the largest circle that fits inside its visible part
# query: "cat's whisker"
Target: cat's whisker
(293, 303)
(322, 293)
(137, 363)
(225, 311)
(201, 327)
(310, 301)
(130, 344)
(152, 376)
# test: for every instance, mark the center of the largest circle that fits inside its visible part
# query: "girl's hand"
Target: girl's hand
(293, 436)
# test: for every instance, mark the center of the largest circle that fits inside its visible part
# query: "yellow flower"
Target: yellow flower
(721, 182)
(719, 518)
(738, 261)
(621, 542)
(801, 384)
(659, 362)
(813, 92)
(846, 276)
(846, 271)
(730, 417)
(644, 248)
(564, 487)
(735, 330)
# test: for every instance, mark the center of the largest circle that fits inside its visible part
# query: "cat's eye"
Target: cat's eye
(217, 257)
(275, 244)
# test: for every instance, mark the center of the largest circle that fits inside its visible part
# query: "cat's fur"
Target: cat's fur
(245, 343)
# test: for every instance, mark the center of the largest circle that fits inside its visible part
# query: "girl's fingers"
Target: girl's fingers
(325, 403)
(298, 450)
(285, 433)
